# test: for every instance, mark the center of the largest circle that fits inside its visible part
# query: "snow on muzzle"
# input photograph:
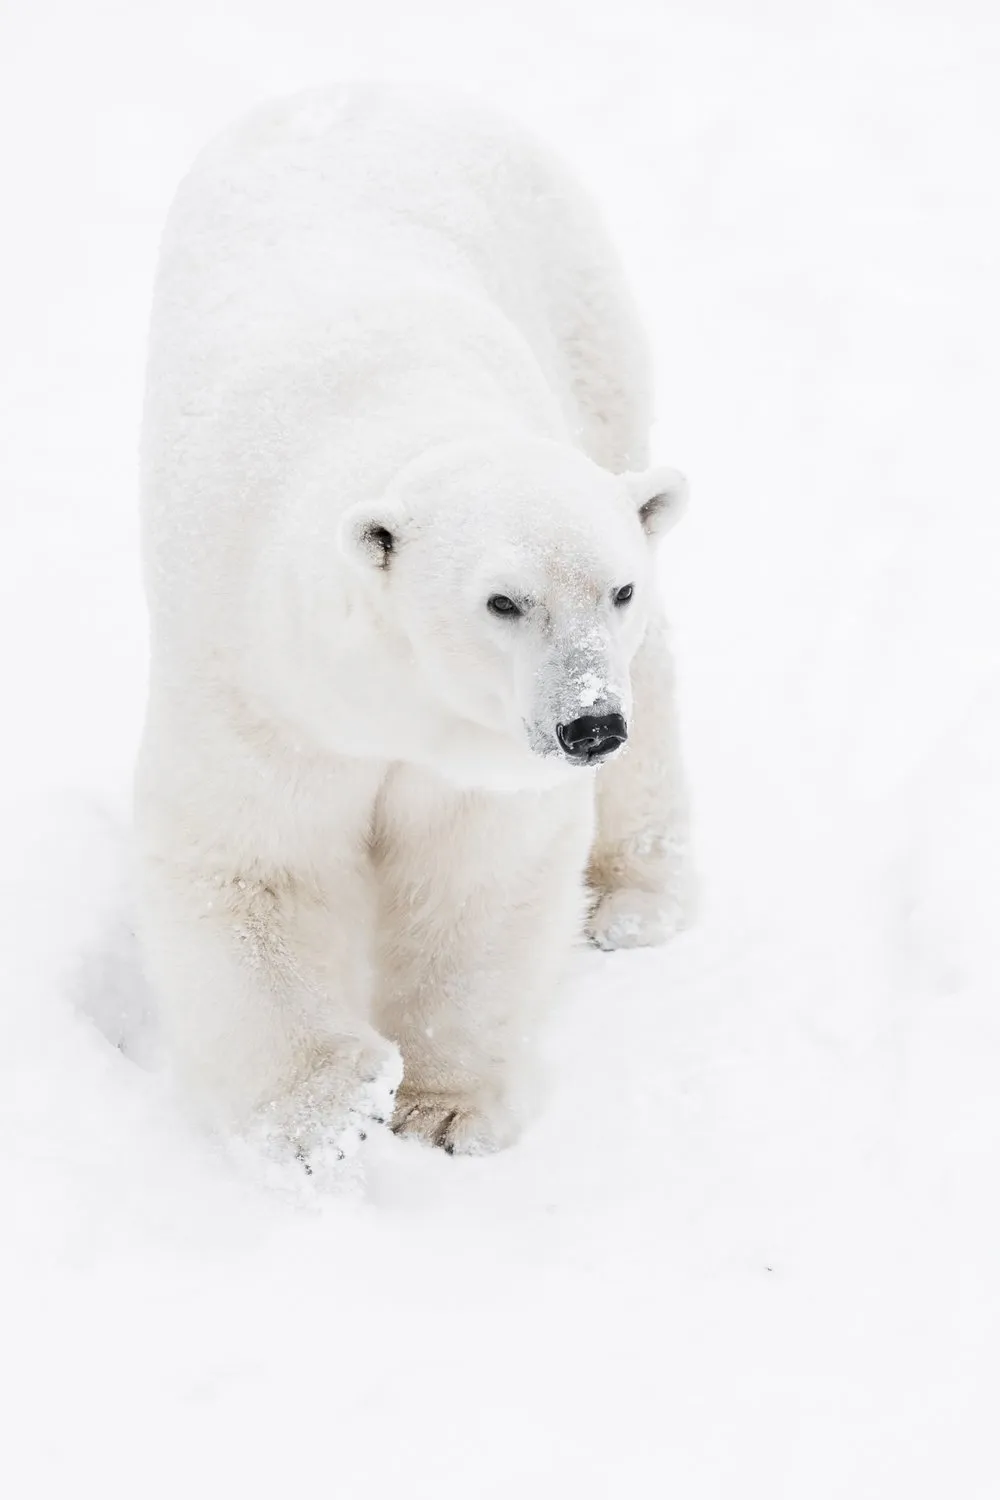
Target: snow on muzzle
(582, 704)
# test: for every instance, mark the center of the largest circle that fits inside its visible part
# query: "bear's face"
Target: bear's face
(520, 580)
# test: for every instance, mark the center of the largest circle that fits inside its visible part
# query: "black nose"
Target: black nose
(592, 737)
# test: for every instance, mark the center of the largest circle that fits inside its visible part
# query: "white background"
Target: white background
(752, 1248)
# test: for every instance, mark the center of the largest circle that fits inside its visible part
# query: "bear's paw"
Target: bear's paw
(326, 1115)
(634, 919)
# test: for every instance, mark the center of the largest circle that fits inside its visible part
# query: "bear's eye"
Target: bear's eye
(499, 604)
(623, 595)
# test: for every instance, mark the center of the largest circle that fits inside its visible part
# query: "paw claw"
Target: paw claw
(458, 1124)
(329, 1113)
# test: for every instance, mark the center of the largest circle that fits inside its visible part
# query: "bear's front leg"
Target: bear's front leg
(262, 964)
(481, 900)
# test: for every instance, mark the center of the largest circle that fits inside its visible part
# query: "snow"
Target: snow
(751, 1247)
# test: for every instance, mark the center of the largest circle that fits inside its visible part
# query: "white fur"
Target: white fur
(386, 316)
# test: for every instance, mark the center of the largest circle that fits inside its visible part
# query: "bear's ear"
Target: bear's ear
(660, 495)
(369, 535)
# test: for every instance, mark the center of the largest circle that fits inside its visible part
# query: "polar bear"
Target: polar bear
(411, 718)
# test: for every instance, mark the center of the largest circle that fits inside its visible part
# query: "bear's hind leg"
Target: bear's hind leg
(640, 874)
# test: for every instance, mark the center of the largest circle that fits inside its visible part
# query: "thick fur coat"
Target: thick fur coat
(411, 717)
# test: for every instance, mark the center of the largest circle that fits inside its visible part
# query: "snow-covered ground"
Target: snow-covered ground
(752, 1248)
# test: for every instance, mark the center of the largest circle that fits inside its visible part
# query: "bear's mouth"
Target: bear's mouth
(592, 759)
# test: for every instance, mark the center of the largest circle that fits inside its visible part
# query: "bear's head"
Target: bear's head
(519, 577)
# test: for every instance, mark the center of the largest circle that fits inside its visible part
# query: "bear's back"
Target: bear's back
(313, 203)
